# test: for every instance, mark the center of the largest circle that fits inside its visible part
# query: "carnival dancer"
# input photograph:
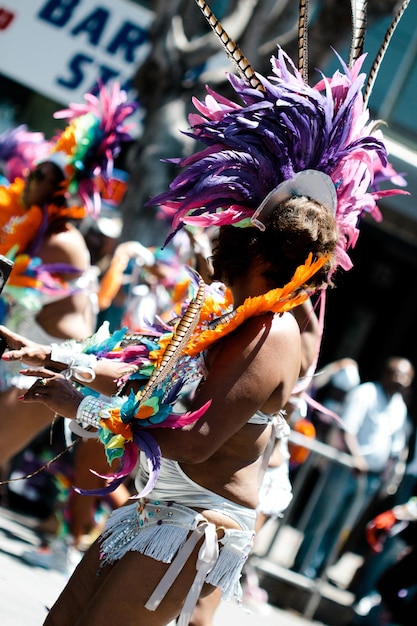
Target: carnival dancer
(210, 470)
(284, 176)
(51, 295)
(63, 312)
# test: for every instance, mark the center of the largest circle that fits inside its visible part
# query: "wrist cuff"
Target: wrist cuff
(72, 355)
(90, 410)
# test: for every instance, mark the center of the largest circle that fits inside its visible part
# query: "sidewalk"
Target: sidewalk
(26, 591)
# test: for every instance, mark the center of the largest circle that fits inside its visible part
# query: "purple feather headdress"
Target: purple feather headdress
(21, 149)
(282, 129)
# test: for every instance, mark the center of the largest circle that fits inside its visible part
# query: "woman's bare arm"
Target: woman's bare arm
(254, 368)
(107, 371)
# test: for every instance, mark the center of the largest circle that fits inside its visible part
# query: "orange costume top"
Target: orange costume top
(19, 226)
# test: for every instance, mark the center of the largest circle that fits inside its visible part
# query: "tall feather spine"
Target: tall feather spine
(382, 50)
(232, 49)
(359, 12)
(303, 39)
(181, 336)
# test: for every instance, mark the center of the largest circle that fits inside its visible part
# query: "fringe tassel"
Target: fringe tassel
(226, 574)
(124, 533)
(158, 542)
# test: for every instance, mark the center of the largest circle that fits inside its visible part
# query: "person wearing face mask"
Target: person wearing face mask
(375, 431)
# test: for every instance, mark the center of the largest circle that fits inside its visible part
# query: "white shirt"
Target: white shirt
(379, 423)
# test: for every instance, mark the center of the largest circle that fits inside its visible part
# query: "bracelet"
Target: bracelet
(78, 430)
(83, 374)
(89, 411)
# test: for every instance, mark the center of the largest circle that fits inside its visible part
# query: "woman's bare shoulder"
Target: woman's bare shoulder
(266, 330)
(279, 328)
(66, 246)
(262, 354)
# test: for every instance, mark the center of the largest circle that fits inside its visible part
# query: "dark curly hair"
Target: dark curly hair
(59, 198)
(295, 228)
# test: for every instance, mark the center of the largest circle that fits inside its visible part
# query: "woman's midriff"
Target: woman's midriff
(243, 472)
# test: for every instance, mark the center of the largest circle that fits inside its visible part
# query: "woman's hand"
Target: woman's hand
(53, 390)
(21, 349)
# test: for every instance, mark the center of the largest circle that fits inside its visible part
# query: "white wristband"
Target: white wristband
(72, 355)
(84, 375)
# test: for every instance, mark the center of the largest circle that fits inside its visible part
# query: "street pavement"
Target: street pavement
(26, 591)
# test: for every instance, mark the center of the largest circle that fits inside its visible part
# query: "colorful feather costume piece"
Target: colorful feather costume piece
(30, 279)
(21, 149)
(21, 226)
(92, 140)
(166, 359)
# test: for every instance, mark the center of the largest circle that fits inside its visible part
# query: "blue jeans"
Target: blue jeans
(343, 497)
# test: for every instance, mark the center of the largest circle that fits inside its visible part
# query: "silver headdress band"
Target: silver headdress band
(309, 183)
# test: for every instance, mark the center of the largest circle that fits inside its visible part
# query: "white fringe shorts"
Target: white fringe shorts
(168, 532)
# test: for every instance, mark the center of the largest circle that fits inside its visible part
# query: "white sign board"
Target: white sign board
(62, 48)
